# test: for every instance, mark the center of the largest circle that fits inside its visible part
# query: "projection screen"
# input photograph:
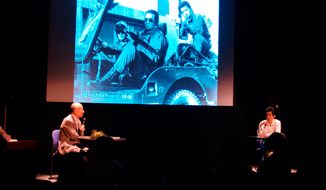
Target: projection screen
(105, 51)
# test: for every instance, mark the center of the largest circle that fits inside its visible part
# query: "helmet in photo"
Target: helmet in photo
(121, 25)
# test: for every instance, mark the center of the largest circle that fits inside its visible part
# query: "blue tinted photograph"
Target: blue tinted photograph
(162, 52)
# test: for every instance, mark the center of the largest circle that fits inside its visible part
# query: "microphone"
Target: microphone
(84, 119)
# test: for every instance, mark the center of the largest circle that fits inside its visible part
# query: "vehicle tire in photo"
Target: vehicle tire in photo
(182, 97)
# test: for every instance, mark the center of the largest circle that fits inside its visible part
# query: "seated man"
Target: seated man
(142, 54)
(70, 129)
(270, 125)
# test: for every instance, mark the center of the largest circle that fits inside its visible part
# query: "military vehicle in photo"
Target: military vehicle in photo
(186, 78)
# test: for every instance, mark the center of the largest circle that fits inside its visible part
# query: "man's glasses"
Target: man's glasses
(149, 20)
(120, 32)
(123, 31)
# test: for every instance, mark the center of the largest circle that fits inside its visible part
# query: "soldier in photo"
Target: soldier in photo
(195, 25)
(140, 56)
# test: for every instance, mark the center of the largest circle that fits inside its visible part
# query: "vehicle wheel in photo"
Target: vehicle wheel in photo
(182, 97)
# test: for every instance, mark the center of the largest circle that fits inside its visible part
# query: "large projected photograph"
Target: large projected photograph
(146, 52)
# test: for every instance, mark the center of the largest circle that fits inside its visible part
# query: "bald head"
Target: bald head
(77, 109)
(75, 105)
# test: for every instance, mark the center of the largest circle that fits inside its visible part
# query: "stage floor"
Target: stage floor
(45, 177)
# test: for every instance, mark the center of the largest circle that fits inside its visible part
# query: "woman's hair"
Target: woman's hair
(183, 4)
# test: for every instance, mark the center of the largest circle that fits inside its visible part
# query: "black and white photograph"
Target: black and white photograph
(161, 53)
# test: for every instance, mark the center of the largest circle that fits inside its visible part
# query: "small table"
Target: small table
(116, 138)
(258, 137)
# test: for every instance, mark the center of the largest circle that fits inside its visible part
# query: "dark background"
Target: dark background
(277, 62)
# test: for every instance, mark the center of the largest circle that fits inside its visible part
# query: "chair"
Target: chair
(55, 138)
(163, 27)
